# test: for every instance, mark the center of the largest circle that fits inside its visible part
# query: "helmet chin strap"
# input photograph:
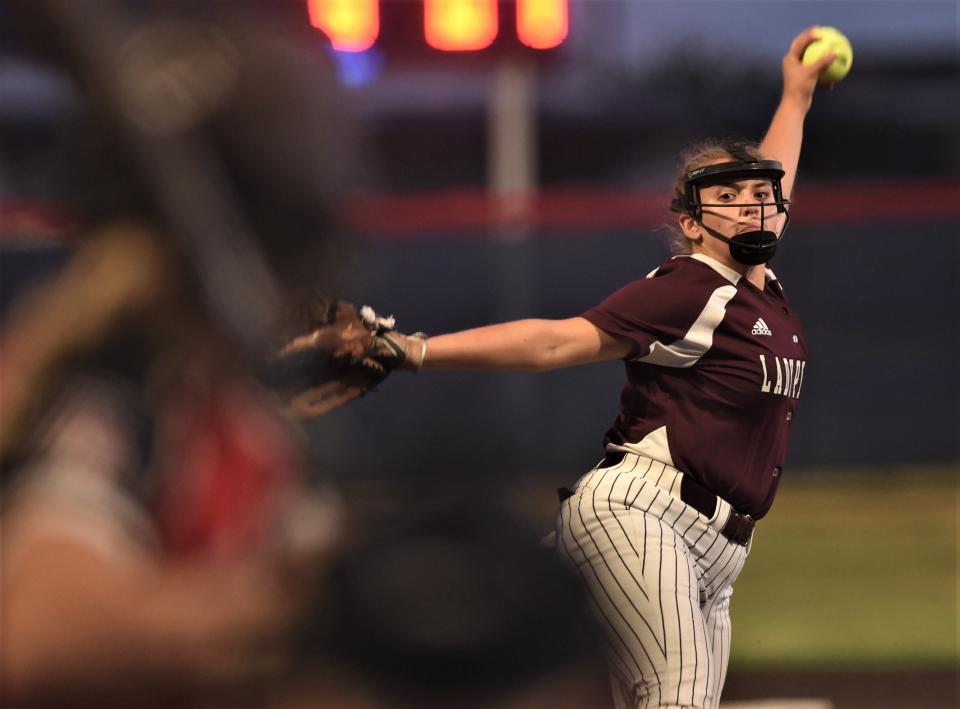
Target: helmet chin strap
(750, 248)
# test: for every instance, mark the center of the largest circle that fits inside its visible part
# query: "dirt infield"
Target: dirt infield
(918, 689)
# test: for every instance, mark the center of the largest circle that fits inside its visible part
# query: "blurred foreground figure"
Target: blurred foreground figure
(442, 602)
(157, 532)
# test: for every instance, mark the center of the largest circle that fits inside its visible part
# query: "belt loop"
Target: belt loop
(721, 515)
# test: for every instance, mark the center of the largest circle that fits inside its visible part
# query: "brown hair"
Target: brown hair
(707, 152)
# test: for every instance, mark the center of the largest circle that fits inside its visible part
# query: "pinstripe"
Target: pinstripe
(694, 518)
(626, 496)
(669, 505)
(697, 540)
(656, 496)
(724, 652)
(718, 656)
(689, 664)
(638, 493)
(682, 507)
(663, 650)
(608, 624)
(625, 535)
(692, 620)
(660, 477)
(607, 593)
(613, 654)
(714, 649)
(663, 515)
(711, 665)
(718, 540)
(643, 568)
(613, 651)
(643, 564)
(689, 527)
(593, 504)
(727, 548)
(719, 617)
(696, 621)
(676, 598)
(734, 560)
(663, 621)
(696, 624)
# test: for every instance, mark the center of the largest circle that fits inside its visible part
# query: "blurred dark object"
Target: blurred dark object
(157, 525)
(448, 601)
(208, 121)
(327, 359)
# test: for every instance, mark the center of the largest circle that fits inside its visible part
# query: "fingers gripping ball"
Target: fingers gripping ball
(830, 39)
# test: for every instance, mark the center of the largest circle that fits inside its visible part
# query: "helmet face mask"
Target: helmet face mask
(753, 247)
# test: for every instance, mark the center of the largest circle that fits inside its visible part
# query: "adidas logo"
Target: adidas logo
(760, 328)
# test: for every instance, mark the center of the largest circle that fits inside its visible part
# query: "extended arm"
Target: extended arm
(525, 345)
(785, 135)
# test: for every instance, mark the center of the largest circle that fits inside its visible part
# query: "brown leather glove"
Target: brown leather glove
(331, 363)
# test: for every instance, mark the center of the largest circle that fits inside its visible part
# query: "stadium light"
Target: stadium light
(460, 25)
(542, 24)
(351, 25)
(399, 27)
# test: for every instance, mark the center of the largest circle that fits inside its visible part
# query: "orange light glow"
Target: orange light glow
(351, 25)
(542, 24)
(460, 25)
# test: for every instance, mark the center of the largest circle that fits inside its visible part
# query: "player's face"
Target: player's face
(737, 206)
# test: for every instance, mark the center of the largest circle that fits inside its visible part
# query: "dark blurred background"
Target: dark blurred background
(513, 183)
(870, 261)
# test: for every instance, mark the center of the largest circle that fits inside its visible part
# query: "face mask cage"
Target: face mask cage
(726, 172)
(754, 247)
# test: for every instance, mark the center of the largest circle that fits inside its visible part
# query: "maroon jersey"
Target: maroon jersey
(713, 376)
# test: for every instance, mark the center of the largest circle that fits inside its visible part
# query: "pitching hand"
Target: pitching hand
(800, 80)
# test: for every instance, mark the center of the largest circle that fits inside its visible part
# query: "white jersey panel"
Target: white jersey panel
(654, 445)
(687, 351)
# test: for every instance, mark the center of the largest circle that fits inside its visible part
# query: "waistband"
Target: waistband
(736, 527)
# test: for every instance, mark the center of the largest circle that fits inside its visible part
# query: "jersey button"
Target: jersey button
(796, 339)
(776, 472)
(789, 415)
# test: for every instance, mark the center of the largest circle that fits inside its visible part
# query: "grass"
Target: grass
(853, 569)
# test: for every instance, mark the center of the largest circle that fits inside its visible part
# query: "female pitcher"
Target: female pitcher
(715, 360)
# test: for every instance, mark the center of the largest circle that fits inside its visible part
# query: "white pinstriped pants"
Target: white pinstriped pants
(660, 575)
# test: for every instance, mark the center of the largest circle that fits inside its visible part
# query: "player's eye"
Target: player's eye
(761, 195)
(727, 196)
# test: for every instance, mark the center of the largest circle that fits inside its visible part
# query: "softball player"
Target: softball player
(715, 361)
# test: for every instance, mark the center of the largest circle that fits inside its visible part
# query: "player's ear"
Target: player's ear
(690, 228)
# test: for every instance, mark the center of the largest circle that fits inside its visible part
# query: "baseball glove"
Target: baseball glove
(333, 359)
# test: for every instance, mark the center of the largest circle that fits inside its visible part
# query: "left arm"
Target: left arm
(785, 135)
